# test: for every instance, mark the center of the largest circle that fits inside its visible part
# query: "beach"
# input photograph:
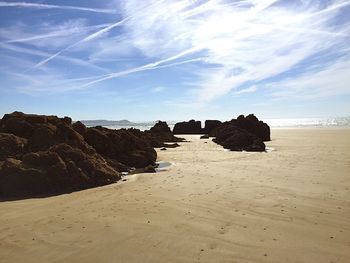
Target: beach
(290, 204)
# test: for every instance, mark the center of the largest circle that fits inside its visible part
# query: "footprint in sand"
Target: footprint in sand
(213, 245)
(222, 230)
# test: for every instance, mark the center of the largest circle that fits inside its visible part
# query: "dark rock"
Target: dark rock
(211, 125)
(59, 169)
(190, 127)
(160, 127)
(253, 125)
(159, 134)
(122, 145)
(11, 145)
(67, 120)
(149, 169)
(237, 139)
(163, 149)
(43, 155)
(42, 131)
(120, 167)
(17, 126)
(42, 137)
(243, 134)
(79, 127)
(171, 145)
(205, 136)
(250, 124)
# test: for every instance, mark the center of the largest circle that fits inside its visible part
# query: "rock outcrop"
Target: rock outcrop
(242, 134)
(253, 125)
(160, 134)
(188, 127)
(59, 169)
(236, 139)
(210, 125)
(11, 145)
(122, 145)
(41, 155)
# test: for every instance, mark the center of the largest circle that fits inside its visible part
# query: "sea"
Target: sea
(331, 122)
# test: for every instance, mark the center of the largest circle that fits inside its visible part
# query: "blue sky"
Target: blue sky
(175, 60)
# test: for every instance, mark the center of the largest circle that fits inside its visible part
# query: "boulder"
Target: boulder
(241, 134)
(236, 139)
(161, 133)
(253, 125)
(160, 127)
(250, 124)
(205, 136)
(211, 125)
(190, 127)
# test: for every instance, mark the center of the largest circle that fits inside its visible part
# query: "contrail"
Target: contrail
(55, 34)
(46, 6)
(86, 39)
(45, 54)
(149, 66)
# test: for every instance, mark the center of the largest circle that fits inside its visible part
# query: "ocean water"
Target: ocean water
(273, 123)
(309, 122)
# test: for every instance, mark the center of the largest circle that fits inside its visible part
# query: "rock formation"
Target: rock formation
(188, 127)
(253, 125)
(121, 145)
(160, 133)
(210, 125)
(242, 134)
(41, 155)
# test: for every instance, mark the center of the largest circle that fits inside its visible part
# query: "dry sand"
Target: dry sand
(288, 205)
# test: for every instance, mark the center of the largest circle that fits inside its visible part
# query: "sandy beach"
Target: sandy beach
(288, 205)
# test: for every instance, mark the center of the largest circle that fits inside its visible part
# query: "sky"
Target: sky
(175, 59)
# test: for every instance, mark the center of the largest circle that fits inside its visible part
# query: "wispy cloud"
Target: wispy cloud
(318, 83)
(246, 90)
(235, 47)
(244, 41)
(98, 33)
(47, 6)
(32, 38)
(86, 39)
(38, 53)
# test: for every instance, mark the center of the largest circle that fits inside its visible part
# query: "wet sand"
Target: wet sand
(289, 205)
